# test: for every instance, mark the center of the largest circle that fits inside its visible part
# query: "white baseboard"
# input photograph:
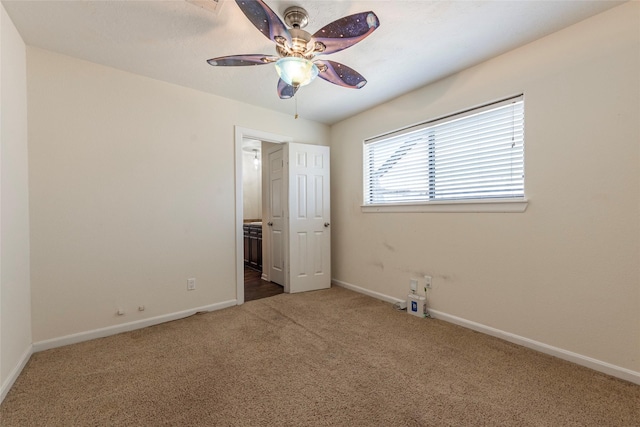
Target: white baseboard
(15, 373)
(125, 327)
(360, 290)
(579, 359)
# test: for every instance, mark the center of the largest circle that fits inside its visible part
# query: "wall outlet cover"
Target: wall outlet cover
(427, 282)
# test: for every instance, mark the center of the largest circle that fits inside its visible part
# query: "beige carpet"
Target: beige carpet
(327, 358)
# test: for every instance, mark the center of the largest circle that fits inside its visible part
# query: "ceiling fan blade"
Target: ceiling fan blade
(265, 20)
(286, 91)
(340, 74)
(241, 60)
(346, 32)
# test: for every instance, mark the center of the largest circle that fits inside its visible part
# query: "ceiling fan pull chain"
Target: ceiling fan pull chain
(296, 99)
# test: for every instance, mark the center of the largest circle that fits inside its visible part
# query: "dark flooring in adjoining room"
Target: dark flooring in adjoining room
(256, 288)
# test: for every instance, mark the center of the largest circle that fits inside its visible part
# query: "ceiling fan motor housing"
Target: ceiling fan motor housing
(299, 45)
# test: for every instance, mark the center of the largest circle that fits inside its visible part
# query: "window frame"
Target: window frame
(489, 204)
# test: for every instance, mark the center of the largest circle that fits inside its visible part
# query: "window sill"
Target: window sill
(497, 205)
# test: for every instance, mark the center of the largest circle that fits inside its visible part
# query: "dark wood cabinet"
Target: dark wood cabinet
(253, 246)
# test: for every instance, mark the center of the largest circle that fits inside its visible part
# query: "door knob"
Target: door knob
(326, 224)
(269, 223)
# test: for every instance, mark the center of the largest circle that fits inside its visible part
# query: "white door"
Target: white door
(309, 217)
(276, 221)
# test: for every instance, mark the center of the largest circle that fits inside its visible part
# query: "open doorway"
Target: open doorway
(256, 280)
(297, 215)
(252, 256)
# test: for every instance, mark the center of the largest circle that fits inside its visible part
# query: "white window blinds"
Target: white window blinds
(478, 154)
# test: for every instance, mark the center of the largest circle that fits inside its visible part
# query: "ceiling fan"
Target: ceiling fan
(296, 49)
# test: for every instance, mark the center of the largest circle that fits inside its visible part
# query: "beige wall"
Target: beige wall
(564, 273)
(15, 303)
(251, 187)
(132, 192)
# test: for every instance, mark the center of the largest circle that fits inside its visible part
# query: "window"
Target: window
(477, 155)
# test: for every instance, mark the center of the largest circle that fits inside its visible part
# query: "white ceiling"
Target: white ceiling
(417, 43)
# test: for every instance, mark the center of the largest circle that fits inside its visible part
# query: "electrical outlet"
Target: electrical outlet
(413, 283)
(191, 284)
(427, 282)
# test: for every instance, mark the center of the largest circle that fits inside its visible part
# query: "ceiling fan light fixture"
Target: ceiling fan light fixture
(296, 71)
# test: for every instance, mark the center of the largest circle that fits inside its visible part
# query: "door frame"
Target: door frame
(240, 134)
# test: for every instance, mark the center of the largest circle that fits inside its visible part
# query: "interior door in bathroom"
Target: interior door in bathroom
(276, 220)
